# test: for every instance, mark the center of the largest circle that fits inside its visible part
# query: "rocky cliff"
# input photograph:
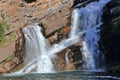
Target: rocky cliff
(16, 14)
(110, 34)
(52, 15)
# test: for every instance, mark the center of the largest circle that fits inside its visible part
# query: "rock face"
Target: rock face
(54, 14)
(16, 14)
(110, 33)
(51, 14)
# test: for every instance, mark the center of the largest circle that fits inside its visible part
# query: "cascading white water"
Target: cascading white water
(94, 12)
(36, 48)
(38, 51)
(66, 58)
(89, 19)
(84, 20)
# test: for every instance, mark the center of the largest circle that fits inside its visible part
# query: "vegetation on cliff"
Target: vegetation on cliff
(3, 27)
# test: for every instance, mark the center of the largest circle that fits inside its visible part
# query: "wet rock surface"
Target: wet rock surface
(73, 52)
(110, 35)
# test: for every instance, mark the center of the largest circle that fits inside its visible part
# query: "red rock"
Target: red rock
(66, 30)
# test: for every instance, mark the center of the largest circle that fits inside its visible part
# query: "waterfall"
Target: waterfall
(66, 57)
(88, 20)
(38, 52)
(36, 48)
(85, 20)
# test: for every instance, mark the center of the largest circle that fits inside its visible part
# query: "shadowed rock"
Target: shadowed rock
(110, 33)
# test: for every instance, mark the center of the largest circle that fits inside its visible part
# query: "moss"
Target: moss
(3, 27)
(3, 15)
(8, 59)
(12, 36)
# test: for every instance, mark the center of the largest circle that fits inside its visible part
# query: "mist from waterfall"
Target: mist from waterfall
(85, 21)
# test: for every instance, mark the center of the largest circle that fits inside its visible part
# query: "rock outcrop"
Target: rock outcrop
(19, 13)
(110, 34)
(52, 15)
(16, 14)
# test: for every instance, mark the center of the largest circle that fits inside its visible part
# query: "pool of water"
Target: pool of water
(68, 75)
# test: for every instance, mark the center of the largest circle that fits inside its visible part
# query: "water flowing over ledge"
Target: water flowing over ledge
(85, 21)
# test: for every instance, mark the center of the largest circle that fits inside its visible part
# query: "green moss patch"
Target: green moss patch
(3, 27)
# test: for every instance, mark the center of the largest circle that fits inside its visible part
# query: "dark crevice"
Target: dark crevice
(84, 3)
(30, 1)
